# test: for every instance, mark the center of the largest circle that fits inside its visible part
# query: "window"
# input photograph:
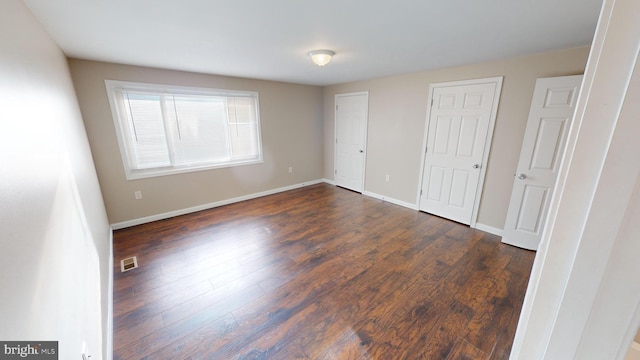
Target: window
(165, 129)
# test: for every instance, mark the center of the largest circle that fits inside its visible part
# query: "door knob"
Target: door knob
(361, 151)
(476, 166)
(522, 176)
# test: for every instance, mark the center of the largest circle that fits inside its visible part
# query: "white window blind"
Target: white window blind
(166, 130)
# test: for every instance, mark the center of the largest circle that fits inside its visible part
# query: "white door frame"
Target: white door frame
(364, 129)
(485, 156)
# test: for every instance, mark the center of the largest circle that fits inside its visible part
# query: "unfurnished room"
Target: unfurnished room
(319, 180)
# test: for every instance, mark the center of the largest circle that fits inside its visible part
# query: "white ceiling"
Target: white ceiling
(269, 39)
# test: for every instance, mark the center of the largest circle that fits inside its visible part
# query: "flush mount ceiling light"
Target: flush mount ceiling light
(321, 57)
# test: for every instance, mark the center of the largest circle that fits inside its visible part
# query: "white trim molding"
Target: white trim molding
(170, 214)
(391, 200)
(109, 350)
(489, 229)
(329, 181)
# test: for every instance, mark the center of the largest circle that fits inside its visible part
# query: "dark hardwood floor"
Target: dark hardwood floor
(316, 273)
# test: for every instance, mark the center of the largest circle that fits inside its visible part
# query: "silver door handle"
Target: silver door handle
(522, 176)
(476, 166)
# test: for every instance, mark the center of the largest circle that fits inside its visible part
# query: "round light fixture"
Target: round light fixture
(321, 57)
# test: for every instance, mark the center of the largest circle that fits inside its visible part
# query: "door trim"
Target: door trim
(335, 135)
(487, 147)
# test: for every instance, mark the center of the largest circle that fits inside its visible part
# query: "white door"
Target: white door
(351, 130)
(460, 123)
(552, 108)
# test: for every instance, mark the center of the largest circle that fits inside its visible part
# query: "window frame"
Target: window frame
(121, 121)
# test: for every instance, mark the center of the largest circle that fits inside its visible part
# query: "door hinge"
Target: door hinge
(420, 192)
(335, 172)
(336, 107)
(336, 140)
(426, 148)
(431, 102)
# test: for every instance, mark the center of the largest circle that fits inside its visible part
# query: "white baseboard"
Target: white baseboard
(489, 229)
(170, 214)
(634, 352)
(391, 200)
(329, 181)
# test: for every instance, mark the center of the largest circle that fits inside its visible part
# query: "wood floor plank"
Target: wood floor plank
(316, 273)
(135, 330)
(494, 315)
(441, 339)
(228, 298)
(505, 334)
(199, 344)
(466, 351)
(152, 303)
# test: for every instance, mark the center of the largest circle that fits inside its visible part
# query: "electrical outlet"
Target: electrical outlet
(138, 195)
(290, 169)
(386, 178)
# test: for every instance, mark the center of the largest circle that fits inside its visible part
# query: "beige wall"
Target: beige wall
(54, 234)
(291, 121)
(397, 113)
(298, 131)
